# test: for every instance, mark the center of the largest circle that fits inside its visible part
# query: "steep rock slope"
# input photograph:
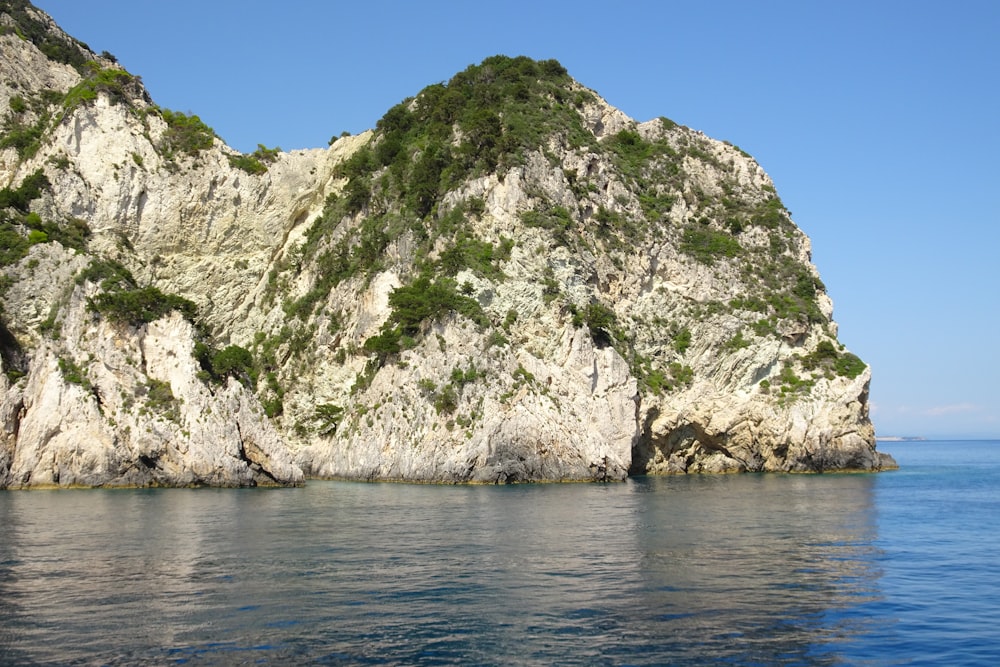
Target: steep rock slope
(102, 385)
(506, 280)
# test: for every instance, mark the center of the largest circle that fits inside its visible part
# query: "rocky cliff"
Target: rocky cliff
(506, 280)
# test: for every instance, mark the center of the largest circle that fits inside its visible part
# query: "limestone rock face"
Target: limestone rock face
(112, 405)
(484, 299)
(500, 427)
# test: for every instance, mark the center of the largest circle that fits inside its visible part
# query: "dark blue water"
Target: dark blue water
(895, 568)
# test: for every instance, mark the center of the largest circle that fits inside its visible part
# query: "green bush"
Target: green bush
(234, 361)
(681, 374)
(142, 305)
(423, 300)
(184, 134)
(792, 385)
(247, 163)
(481, 257)
(72, 234)
(765, 327)
(13, 244)
(601, 321)
(656, 381)
(384, 344)
(273, 394)
(707, 245)
(496, 339)
(552, 218)
(737, 342)
(424, 185)
(460, 378)
(446, 400)
(682, 340)
(849, 365)
(656, 206)
(31, 188)
(640, 160)
(827, 357)
(257, 162)
(631, 150)
(556, 219)
(25, 139)
(770, 214)
(72, 372)
(159, 395)
(117, 84)
(108, 273)
(328, 416)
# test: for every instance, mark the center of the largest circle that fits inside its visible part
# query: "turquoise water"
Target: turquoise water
(895, 568)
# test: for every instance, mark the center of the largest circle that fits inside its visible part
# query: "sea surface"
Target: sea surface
(896, 568)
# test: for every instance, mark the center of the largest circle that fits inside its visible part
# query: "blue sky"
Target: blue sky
(878, 122)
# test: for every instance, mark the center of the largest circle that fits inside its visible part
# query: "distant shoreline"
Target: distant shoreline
(907, 438)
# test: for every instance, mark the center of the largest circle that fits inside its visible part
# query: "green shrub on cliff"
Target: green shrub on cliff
(328, 417)
(184, 134)
(21, 228)
(123, 301)
(160, 399)
(827, 357)
(708, 245)
(424, 300)
(13, 244)
(600, 320)
(117, 84)
(232, 361)
(256, 162)
(23, 137)
(31, 188)
(73, 372)
(142, 305)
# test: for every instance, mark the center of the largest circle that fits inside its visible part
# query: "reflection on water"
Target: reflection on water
(759, 569)
(701, 570)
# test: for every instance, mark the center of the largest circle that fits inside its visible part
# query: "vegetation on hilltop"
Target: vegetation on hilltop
(54, 44)
(120, 86)
(489, 119)
(486, 118)
(256, 162)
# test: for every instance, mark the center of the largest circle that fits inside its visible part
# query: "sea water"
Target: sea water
(896, 568)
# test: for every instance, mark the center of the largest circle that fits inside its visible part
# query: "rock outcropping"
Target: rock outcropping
(507, 280)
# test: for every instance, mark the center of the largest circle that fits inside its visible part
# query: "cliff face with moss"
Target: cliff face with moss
(506, 280)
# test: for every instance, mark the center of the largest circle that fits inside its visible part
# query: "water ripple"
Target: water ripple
(748, 570)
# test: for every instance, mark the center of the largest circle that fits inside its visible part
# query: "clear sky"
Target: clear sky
(879, 122)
